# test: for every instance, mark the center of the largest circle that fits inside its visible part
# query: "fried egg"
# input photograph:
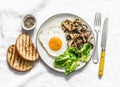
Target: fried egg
(53, 40)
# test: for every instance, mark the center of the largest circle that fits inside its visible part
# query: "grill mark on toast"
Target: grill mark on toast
(13, 52)
(21, 38)
(29, 46)
(23, 45)
(33, 57)
(32, 52)
(11, 59)
(26, 46)
(18, 60)
(15, 61)
(30, 49)
(24, 65)
(20, 63)
(10, 52)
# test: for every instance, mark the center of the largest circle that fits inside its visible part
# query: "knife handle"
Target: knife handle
(101, 65)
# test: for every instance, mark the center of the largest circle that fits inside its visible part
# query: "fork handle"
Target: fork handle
(95, 56)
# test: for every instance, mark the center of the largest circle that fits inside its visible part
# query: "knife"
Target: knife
(103, 46)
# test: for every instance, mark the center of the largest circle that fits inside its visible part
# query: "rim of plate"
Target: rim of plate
(83, 64)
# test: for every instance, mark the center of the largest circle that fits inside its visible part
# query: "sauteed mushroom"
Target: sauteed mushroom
(76, 33)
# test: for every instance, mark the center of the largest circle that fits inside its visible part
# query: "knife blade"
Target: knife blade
(104, 34)
(103, 46)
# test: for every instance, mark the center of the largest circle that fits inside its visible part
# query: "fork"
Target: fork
(97, 27)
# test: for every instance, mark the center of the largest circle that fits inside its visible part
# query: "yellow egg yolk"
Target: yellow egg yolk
(55, 43)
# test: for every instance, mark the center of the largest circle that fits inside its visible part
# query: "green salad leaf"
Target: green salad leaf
(85, 50)
(71, 58)
(71, 66)
(61, 60)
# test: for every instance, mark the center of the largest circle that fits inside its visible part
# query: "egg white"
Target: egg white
(47, 34)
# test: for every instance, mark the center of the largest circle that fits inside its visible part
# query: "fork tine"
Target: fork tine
(99, 19)
(95, 20)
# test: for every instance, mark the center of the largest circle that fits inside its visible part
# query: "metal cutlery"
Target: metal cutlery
(103, 46)
(97, 27)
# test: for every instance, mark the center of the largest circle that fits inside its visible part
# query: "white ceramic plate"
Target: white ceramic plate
(56, 21)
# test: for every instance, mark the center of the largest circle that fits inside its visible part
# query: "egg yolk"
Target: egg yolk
(55, 43)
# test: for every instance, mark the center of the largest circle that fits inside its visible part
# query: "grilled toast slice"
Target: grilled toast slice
(15, 61)
(25, 48)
